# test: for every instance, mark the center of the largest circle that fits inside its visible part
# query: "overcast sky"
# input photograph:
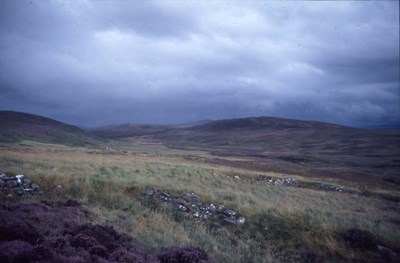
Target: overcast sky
(92, 63)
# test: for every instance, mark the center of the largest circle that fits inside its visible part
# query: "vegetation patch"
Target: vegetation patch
(45, 232)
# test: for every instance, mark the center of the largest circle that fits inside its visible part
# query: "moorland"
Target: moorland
(309, 191)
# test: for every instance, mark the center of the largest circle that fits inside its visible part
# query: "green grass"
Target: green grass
(279, 220)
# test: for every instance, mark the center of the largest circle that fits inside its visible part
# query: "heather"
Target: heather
(62, 232)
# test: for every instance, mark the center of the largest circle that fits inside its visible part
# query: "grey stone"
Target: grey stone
(25, 185)
(229, 212)
(149, 191)
(57, 189)
(12, 183)
(167, 199)
(35, 186)
(229, 221)
(212, 208)
(8, 178)
(26, 181)
(19, 178)
(192, 197)
(282, 181)
(181, 201)
(240, 220)
(182, 208)
(166, 194)
(205, 216)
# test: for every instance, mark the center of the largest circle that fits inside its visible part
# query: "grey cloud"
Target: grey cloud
(152, 19)
(101, 62)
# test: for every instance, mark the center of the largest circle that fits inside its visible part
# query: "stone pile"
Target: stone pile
(330, 187)
(190, 204)
(282, 181)
(18, 185)
(293, 182)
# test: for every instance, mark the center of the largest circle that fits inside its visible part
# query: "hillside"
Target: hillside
(17, 126)
(262, 143)
(257, 123)
(284, 145)
(127, 130)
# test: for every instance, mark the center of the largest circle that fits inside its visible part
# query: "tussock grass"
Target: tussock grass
(280, 219)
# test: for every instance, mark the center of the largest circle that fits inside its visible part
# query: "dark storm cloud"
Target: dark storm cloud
(100, 62)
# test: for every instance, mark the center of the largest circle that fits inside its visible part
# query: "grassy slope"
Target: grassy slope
(309, 148)
(280, 220)
(17, 126)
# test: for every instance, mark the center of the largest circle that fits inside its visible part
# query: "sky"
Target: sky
(93, 63)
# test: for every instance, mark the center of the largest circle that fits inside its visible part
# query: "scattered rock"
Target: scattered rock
(241, 220)
(149, 191)
(229, 212)
(26, 181)
(57, 189)
(182, 208)
(329, 187)
(192, 205)
(293, 182)
(18, 185)
(282, 181)
(212, 208)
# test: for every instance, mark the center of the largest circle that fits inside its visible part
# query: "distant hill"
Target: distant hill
(257, 123)
(269, 134)
(191, 124)
(268, 140)
(384, 126)
(264, 135)
(17, 126)
(135, 130)
(128, 130)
